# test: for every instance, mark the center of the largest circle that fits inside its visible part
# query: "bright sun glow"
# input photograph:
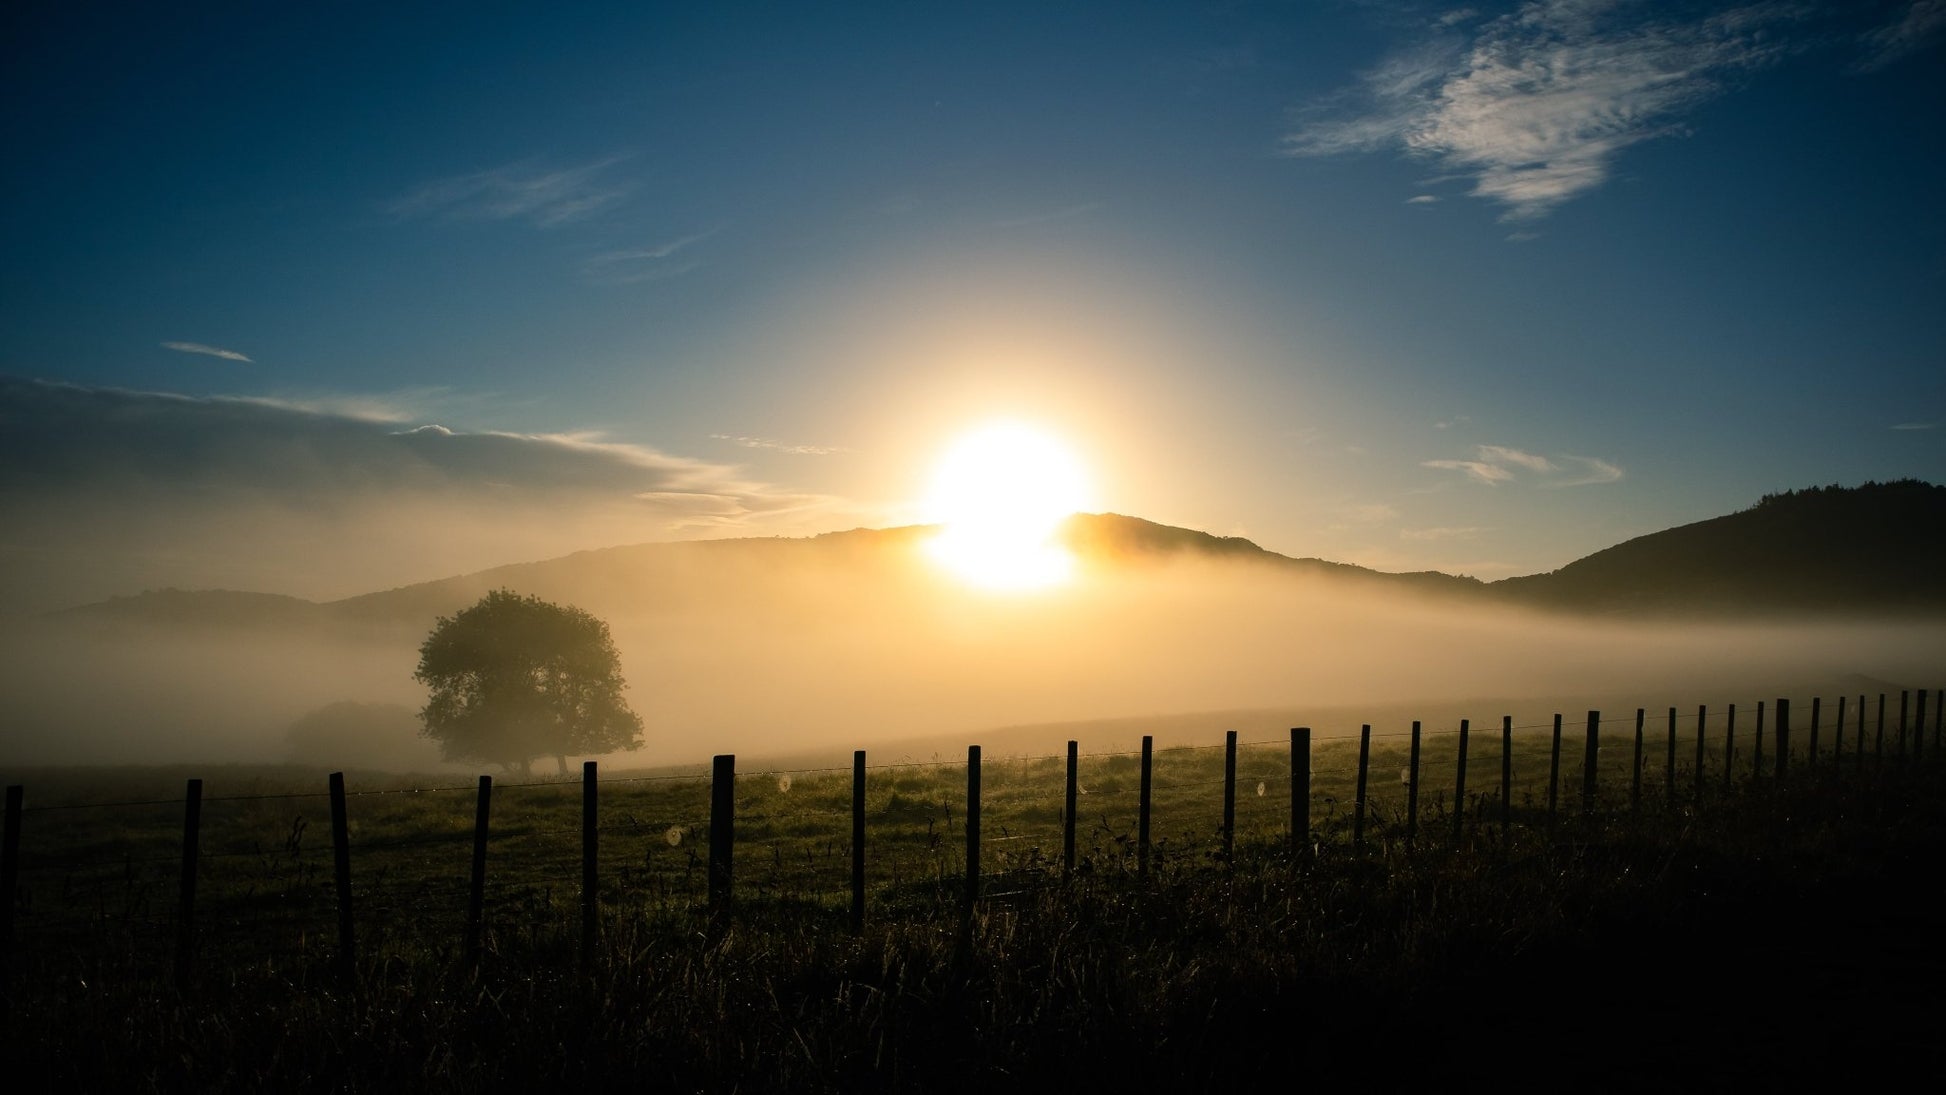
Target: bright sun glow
(1001, 492)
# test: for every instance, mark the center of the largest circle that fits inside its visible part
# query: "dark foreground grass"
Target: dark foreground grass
(1786, 933)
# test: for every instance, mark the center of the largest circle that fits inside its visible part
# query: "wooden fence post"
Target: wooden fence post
(1300, 789)
(1757, 745)
(1729, 746)
(1838, 736)
(1554, 772)
(1939, 718)
(1412, 788)
(1669, 766)
(1506, 774)
(1811, 752)
(1459, 782)
(192, 821)
(1230, 796)
(1783, 738)
(590, 894)
(1067, 824)
(1878, 742)
(1858, 754)
(476, 893)
(722, 830)
(1919, 727)
(9, 888)
(1142, 809)
(1591, 759)
(8, 885)
(972, 826)
(1635, 770)
(857, 841)
(1364, 771)
(341, 863)
(1702, 714)
(1905, 697)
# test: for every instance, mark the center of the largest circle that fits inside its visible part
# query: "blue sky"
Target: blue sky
(1480, 288)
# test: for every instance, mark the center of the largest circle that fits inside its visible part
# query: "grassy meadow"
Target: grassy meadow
(1204, 973)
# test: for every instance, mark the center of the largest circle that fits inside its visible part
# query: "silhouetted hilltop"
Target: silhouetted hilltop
(1871, 549)
(201, 608)
(1113, 540)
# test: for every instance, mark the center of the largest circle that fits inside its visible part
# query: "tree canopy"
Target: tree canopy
(514, 678)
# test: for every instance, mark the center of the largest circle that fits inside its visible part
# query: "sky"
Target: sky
(319, 299)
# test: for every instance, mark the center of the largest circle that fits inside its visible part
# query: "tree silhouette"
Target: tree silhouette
(514, 678)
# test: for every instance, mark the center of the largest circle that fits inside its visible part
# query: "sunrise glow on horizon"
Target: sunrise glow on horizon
(1000, 493)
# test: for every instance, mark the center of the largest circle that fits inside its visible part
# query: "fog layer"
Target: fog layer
(794, 647)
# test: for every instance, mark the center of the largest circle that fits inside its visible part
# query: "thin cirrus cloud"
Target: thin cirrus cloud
(1915, 27)
(206, 351)
(658, 263)
(1493, 465)
(1535, 106)
(780, 446)
(106, 490)
(540, 195)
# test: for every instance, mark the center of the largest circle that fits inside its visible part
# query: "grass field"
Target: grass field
(1159, 979)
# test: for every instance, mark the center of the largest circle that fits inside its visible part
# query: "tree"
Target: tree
(514, 678)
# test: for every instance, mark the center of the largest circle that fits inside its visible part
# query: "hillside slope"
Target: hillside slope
(1873, 549)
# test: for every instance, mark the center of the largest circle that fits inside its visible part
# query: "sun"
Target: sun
(1000, 492)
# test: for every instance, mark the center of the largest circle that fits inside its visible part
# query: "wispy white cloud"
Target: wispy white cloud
(1915, 425)
(1916, 26)
(540, 195)
(1500, 454)
(278, 494)
(657, 263)
(1477, 470)
(206, 350)
(781, 446)
(1423, 199)
(1497, 464)
(1536, 105)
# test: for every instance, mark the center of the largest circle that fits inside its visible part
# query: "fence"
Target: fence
(99, 878)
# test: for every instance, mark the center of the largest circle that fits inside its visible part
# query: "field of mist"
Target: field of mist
(813, 648)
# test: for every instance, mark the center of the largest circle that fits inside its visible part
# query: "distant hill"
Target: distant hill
(1878, 549)
(1873, 549)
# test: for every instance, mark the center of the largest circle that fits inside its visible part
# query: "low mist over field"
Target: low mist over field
(790, 647)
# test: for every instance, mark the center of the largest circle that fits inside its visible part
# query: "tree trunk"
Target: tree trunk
(562, 763)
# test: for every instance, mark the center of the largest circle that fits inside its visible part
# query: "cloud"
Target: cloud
(1588, 471)
(1915, 425)
(643, 264)
(1477, 470)
(1422, 199)
(1497, 464)
(208, 351)
(1501, 455)
(1536, 105)
(781, 446)
(1917, 26)
(541, 196)
(108, 491)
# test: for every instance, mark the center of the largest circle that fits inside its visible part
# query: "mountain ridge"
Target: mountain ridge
(1818, 551)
